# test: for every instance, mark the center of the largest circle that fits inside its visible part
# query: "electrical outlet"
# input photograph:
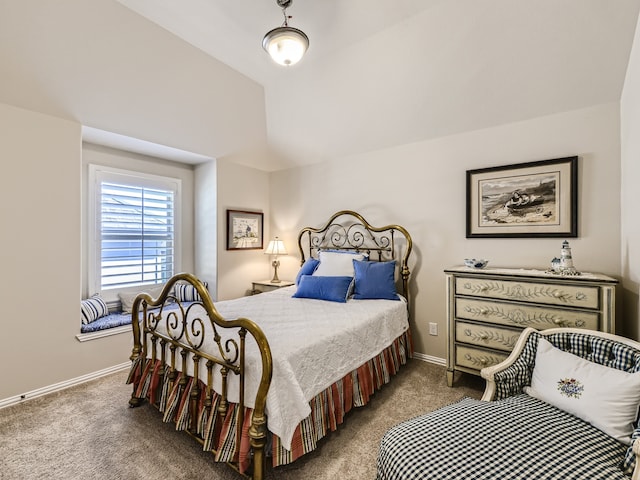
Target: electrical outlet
(433, 328)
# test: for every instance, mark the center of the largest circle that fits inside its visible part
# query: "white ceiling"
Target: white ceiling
(380, 73)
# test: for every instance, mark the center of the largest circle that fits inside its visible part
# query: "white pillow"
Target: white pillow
(337, 264)
(605, 397)
(126, 298)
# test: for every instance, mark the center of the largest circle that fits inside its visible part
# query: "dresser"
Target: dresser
(487, 309)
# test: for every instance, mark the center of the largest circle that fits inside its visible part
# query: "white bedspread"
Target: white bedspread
(314, 343)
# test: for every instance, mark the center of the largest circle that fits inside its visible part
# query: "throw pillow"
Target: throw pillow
(307, 268)
(127, 298)
(336, 264)
(605, 397)
(332, 289)
(92, 309)
(375, 280)
(185, 292)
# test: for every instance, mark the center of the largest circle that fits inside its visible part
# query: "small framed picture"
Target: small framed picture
(244, 230)
(534, 199)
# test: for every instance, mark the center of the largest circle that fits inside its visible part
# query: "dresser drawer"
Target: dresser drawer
(477, 358)
(520, 315)
(488, 308)
(550, 294)
(488, 336)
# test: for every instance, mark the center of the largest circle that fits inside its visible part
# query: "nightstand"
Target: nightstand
(266, 286)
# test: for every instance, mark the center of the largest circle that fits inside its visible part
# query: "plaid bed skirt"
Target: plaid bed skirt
(518, 437)
(328, 408)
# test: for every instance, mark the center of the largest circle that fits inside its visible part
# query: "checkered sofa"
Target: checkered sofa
(511, 435)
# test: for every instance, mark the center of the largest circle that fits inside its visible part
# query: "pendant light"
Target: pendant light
(285, 44)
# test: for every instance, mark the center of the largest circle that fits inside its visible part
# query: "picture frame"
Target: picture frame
(532, 199)
(244, 230)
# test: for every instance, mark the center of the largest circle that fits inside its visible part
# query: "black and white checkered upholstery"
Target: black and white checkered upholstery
(518, 437)
(603, 351)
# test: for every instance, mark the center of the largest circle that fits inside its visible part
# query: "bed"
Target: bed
(269, 375)
(563, 405)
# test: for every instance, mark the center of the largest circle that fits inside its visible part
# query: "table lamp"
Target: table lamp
(275, 248)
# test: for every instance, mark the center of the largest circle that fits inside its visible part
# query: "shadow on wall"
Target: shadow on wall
(628, 316)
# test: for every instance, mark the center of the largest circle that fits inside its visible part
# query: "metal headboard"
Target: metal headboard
(353, 232)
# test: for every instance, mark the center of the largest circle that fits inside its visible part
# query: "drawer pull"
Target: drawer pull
(484, 336)
(484, 288)
(558, 321)
(484, 361)
(484, 311)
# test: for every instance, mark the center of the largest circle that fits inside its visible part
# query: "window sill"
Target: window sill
(107, 332)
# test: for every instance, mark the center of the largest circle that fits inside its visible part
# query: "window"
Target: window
(135, 229)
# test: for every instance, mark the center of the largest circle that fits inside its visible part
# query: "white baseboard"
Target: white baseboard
(62, 385)
(430, 358)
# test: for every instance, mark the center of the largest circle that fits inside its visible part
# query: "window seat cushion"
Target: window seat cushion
(117, 319)
(113, 320)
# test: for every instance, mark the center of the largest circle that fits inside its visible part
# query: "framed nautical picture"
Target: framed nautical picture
(534, 199)
(244, 230)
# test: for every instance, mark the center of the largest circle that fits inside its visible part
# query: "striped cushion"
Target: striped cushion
(185, 292)
(92, 309)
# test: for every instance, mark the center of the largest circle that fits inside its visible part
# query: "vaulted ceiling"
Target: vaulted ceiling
(378, 73)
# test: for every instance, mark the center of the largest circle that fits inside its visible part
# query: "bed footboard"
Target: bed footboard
(168, 365)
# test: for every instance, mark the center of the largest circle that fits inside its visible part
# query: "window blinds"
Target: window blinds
(137, 235)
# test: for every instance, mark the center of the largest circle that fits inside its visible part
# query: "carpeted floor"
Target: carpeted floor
(89, 432)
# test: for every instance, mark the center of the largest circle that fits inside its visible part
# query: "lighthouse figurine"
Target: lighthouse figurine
(566, 262)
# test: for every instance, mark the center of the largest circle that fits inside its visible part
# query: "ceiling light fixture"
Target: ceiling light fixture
(285, 44)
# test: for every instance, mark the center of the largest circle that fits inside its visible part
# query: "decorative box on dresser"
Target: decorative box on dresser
(487, 309)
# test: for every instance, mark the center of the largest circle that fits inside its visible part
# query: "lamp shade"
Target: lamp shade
(276, 247)
(286, 45)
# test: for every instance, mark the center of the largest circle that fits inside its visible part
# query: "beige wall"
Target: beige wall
(222, 185)
(422, 187)
(206, 225)
(43, 274)
(104, 66)
(41, 271)
(630, 218)
(240, 188)
(419, 185)
(63, 59)
(213, 110)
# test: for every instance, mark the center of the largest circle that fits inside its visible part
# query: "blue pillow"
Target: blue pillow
(333, 289)
(375, 280)
(308, 267)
